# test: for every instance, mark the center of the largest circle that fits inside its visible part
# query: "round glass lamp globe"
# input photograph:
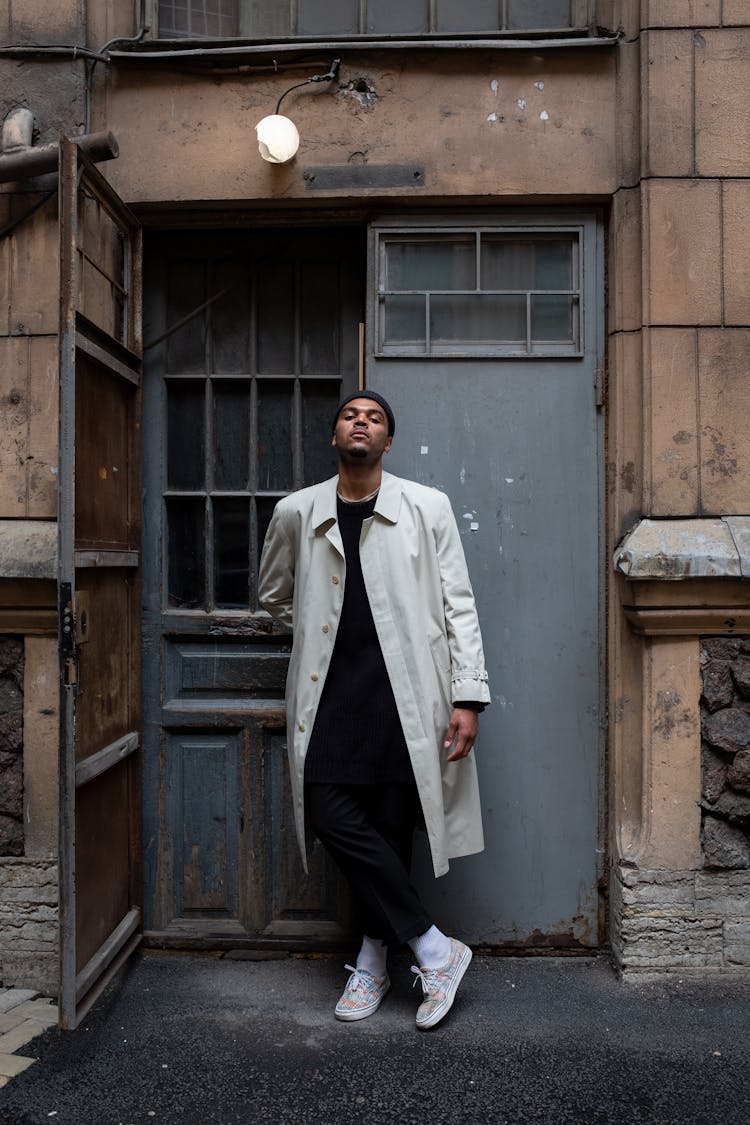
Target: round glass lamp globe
(278, 139)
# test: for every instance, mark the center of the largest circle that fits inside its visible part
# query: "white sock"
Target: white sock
(373, 956)
(432, 949)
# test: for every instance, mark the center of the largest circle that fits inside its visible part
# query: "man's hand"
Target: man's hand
(461, 733)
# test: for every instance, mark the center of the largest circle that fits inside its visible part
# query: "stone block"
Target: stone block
(43, 426)
(625, 262)
(722, 68)
(728, 730)
(737, 942)
(724, 845)
(24, 873)
(738, 774)
(723, 364)
(14, 444)
(741, 676)
(670, 943)
(713, 773)
(718, 895)
(628, 116)
(683, 13)
(28, 548)
(38, 970)
(718, 686)
(625, 472)
(41, 750)
(11, 836)
(683, 257)
(739, 527)
(735, 13)
(672, 377)
(668, 103)
(678, 549)
(736, 251)
(34, 308)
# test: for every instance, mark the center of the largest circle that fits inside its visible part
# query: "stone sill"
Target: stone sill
(676, 550)
(28, 549)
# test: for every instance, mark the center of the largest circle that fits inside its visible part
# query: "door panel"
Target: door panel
(99, 553)
(256, 337)
(514, 438)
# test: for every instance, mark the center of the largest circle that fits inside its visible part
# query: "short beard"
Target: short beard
(356, 454)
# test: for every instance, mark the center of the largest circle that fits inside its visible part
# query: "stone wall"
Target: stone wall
(29, 956)
(725, 752)
(680, 921)
(11, 745)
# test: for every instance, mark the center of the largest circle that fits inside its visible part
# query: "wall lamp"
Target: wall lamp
(278, 139)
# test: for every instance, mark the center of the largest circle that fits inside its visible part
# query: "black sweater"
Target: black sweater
(357, 737)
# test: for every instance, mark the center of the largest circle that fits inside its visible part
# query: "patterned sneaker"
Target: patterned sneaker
(362, 995)
(440, 985)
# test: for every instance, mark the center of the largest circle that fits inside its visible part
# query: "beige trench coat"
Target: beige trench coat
(424, 612)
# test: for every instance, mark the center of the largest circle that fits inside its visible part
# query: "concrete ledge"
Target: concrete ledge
(28, 549)
(675, 550)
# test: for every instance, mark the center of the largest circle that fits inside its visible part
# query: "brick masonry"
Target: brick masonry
(11, 745)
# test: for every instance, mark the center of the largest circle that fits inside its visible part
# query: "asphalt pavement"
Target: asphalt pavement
(190, 1040)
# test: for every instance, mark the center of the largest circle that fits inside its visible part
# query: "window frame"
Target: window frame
(582, 24)
(461, 350)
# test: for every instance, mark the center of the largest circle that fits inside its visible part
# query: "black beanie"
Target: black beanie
(374, 397)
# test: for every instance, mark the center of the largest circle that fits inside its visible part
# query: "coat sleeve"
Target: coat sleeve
(276, 574)
(468, 674)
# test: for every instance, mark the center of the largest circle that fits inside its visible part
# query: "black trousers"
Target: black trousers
(368, 831)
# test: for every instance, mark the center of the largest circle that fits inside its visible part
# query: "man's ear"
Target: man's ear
(388, 444)
(333, 440)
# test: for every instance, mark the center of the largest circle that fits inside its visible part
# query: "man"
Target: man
(385, 683)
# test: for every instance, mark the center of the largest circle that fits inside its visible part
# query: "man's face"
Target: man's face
(361, 432)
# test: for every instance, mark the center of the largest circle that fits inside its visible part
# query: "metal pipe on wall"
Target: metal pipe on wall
(35, 161)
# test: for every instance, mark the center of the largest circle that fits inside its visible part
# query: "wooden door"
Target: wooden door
(99, 568)
(251, 338)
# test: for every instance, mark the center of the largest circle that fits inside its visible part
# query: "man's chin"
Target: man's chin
(356, 454)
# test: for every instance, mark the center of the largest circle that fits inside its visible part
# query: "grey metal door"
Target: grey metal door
(99, 582)
(250, 340)
(486, 337)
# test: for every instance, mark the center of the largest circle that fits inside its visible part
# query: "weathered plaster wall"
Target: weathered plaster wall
(481, 125)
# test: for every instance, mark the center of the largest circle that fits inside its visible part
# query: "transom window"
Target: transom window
(263, 19)
(479, 292)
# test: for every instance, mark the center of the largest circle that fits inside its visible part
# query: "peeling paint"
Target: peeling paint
(492, 117)
(521, 103)
(494, 86)
(544, 116)
(539, 85)
(424, 450)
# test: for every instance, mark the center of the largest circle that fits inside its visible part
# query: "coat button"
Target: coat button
(314, 676)
(335, 579)
(301, 727)
(324, 628)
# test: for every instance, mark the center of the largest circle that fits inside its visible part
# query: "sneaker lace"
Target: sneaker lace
(422, 975)
(357, 979)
